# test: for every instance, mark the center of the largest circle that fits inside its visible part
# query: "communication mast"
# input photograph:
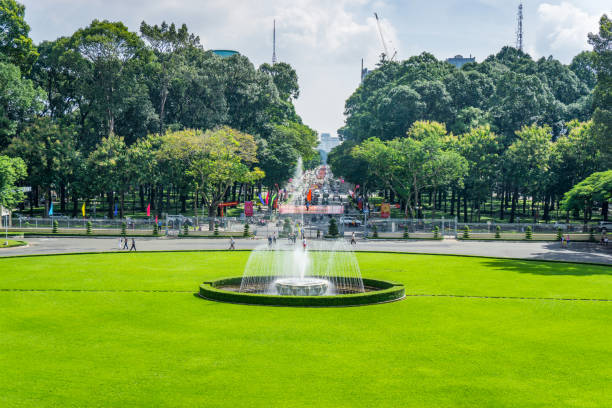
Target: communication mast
(519, 28)
(274, 43)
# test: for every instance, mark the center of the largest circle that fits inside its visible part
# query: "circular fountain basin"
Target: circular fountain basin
(301, 286)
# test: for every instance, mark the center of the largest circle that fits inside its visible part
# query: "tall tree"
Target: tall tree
(12, 170)
(602, 96)
(20, 101)
(113, 55)
(15, 45)
(167, 43)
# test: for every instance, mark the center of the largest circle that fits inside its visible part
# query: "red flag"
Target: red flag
(268, 197)
(309, 196)
(149, 210)
(156, 219)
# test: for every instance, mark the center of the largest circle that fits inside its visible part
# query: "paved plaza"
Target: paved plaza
(577, 252)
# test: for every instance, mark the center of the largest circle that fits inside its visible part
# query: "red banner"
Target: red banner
(312, 209)
(385, 210)
(248, 208)
(230, 204)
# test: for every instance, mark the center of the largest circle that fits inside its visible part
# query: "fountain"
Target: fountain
(315, 268)
(294, 272)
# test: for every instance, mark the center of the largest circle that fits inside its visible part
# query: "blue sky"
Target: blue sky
(325, 39)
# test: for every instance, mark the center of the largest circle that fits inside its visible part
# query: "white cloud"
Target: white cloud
(323, 40)
(564, 27)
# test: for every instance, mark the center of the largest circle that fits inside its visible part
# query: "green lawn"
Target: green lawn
(105, 347)
(4, 243)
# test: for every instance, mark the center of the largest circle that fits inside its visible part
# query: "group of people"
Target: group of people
(565, 240)
(124, 243)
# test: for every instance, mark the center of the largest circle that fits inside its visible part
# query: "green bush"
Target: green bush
(528, 234)
(406, 235)
(245, 232)
(374, 231)
(498, 232)
(559, 234)
(123, 229)
(216, 230)
(88, 227)
(286, 227)
(592, 235)
(185, 229)
(436, 232)
(332, 231)
(155, 229)
(466, 232)
(389, 291)
(55, 227)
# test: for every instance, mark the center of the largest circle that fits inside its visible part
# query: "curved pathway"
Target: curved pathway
(577, 252)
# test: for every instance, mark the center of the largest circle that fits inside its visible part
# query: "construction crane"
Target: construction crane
(384, 43)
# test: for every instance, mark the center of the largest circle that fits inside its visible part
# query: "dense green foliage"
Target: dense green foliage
(85, 112)
(12, 170)
(505, 129)
(177, 349)
(593, 190)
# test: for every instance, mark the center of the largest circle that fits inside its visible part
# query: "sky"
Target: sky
(325, 40)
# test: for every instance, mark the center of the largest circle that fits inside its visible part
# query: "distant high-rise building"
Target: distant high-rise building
(326, 143)
(225, 53)
(459, 60)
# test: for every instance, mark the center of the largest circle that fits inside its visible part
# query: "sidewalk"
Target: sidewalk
(577, 252)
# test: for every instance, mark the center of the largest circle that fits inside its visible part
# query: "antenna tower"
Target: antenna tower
(274, 43)
(519, 28)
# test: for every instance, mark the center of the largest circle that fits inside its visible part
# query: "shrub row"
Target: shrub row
(389, 291)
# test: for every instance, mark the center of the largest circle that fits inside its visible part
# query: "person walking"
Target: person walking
(232, 244)
(562, 241)
(353, 241)
(133, 244)
(120, 243)
(567, 240)
(304, 243)
(125, 243)
(274, 239)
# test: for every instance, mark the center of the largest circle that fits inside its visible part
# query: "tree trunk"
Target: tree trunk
(163, 97)
(604, 210)
(514, 202)
(142, 200)
(212, 210)
(110, 201)
(75, 204)
(465, 211)
(121, 202)
(62, 198)
(452, 202)
(501, 204)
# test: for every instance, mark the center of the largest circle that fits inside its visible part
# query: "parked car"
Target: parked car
(605, 226)
(350, 221)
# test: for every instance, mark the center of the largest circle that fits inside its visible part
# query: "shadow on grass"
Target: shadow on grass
(549, 268)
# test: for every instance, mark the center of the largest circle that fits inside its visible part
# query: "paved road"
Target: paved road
(578, 252)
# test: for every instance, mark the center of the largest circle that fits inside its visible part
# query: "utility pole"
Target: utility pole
(274, 43)
(519, 28)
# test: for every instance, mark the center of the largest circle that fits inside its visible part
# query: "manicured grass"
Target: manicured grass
(108, 348)
(11, 243)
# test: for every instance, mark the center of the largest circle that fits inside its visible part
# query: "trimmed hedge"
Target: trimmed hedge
(389, 291)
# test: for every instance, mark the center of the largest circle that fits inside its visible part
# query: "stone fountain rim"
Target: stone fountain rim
(386, 292)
